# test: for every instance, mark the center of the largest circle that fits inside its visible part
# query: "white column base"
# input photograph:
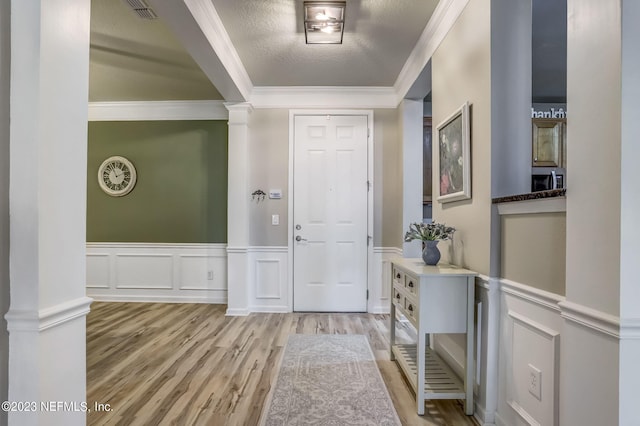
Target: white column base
(48, 347)
(237, 281)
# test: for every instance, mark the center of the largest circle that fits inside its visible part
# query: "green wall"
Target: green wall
(181, 190)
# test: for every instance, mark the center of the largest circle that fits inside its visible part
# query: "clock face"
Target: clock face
(117, 176)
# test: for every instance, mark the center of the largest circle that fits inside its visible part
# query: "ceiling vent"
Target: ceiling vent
(142, 9)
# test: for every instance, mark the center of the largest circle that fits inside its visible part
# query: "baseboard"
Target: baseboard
(482, 416)
(160, 299)
(237, 312)
(269, 309)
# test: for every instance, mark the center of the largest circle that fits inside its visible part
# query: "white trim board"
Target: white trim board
(18, 320)
(591, 318)
(157, 111)
(324, 97)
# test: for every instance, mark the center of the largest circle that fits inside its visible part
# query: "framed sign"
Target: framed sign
(454, 153)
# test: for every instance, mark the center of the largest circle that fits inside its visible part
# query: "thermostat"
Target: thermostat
(275, 194)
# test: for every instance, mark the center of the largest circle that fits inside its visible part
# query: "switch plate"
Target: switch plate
(275, 219)
(209, 275)
(535, 382)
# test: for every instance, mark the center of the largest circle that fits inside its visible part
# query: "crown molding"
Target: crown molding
(443, 18)
(157, 110)
(323, 97)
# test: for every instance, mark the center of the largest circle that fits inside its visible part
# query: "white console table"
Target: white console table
(435, 299)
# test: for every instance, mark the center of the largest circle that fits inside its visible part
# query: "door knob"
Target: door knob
(299, 238)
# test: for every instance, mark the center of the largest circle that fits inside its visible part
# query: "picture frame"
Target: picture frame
(454, 155)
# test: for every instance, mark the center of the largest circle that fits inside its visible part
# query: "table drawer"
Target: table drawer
(411, 284)
(398, 298)
(398, 277)
(411, 310)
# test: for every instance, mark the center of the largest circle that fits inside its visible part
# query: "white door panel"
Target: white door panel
(330, 207)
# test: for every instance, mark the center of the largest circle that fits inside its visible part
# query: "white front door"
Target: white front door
(330, 214)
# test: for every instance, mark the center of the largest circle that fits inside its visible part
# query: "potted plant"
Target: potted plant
(429, 234)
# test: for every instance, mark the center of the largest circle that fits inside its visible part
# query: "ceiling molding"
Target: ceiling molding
(211, 25)
(323, 97)
(199, 27)
(443, 18)
(157, 111)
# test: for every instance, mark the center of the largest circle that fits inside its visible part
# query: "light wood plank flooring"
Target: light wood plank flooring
(188, 364)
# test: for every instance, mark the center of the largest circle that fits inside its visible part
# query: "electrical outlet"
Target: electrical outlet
(210, 275)
(535, 382)
(275, 219)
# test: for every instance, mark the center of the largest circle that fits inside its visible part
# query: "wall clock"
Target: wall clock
(117, 176)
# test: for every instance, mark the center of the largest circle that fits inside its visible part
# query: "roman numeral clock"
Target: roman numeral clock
(117, 176)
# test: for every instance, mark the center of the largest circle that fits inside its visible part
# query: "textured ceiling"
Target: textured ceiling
(378, 38)
(134, 59)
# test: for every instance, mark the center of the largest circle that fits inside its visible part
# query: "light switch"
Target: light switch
(275, 219)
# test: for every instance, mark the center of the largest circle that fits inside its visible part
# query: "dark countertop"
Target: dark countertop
(531, 196)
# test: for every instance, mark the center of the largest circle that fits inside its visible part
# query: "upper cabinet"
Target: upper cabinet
(549, 142)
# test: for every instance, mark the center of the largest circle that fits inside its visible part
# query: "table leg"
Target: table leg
(421, 373)
(469, 372)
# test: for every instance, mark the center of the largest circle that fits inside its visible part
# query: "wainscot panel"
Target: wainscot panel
(156, 272)
(268, 279)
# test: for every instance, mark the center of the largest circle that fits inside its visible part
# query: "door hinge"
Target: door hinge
(368, 186)
(367, 294)
(368, 132)
(368, 240)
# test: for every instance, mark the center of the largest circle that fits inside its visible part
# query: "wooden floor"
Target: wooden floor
(188, 364)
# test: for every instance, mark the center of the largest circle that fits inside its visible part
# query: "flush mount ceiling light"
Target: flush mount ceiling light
(324, 22)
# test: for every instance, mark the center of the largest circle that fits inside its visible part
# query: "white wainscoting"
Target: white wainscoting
(268, 279)
(531, 326)
(153, 272)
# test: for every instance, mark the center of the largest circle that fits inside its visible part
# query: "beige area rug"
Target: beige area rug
(329, 380)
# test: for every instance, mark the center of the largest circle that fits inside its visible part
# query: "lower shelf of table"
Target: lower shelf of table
(440, 381)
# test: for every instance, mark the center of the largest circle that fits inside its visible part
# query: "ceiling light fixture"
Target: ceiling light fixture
(324, 22)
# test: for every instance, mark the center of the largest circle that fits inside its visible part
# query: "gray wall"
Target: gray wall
(269, 165)
(387, 203)
(4, 198)
(269, 169)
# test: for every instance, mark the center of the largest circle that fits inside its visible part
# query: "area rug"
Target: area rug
(329, 380)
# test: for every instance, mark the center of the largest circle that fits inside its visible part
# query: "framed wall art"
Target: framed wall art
(454, 153)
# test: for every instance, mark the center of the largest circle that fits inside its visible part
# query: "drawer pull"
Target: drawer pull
(398, 296)
(398, 276)
(411, 284)
(410, 308)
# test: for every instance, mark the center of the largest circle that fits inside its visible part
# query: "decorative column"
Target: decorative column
(411, 117)
(238, 209)
(48, 162)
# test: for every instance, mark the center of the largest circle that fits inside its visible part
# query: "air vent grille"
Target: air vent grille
(142, 9)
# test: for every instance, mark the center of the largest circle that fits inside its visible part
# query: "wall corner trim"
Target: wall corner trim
(592, 318)
(26, 320)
